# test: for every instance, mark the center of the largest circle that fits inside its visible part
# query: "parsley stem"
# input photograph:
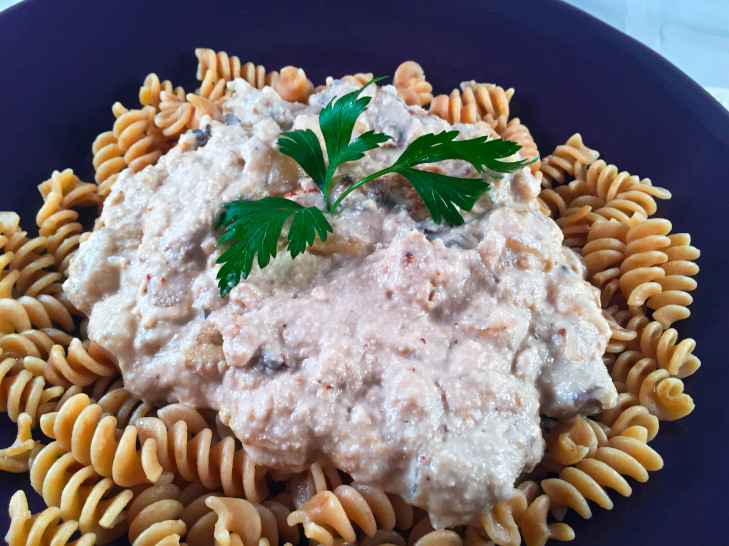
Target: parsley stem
(353, 187)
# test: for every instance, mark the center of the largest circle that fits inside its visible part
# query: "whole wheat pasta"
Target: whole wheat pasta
(93, 438)
(412, 87)
(28, 529)
(154, 516)
(115, 465)
(16, 457)
(25, 393)
(97, 503)
(33, 343)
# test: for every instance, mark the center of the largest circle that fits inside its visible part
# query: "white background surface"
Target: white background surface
(692, 34)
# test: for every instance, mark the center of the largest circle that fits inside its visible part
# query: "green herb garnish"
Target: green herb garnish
(253, 228)
(442, 193)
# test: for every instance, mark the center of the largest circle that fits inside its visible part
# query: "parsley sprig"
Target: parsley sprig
(442, 193)
(336, 121)
(254, 228)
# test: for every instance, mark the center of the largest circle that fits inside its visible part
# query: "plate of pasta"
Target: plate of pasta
(618, 147)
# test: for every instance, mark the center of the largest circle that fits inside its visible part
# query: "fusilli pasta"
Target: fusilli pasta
(117, 465)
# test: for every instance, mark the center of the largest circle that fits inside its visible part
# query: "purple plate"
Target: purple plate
(64, 63)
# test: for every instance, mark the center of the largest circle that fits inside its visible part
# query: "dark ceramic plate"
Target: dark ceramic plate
(63, 64)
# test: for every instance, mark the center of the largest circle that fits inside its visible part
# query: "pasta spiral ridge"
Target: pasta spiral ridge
(34, 343)
(643, 256)
(203, 522)
(603, 253)
(28, 529)
(228, 68)
(516, 131)
(97, 503)
(73, 191)
(652, 367)
(108, 161)
(23, 393)
(180, 114)
(134, 142)
(316, 479)
(175, 116)
(42, 311)
(608, 183)
(626, 413)
(16, 457)
(360, 78)
(239, 521)
(291, 83)
(626, 454)
(199, 519)
(566, 161)
(115, 400)
(154, 516)
(571, 440)
(26, 261)
(368, 507)
(187, 446)
(57, 221)
(653, 341)
(138, 137)
(150, 93)
(475, 102)
(411, 85)
(672, 303)
(75, 364)
(92, 438)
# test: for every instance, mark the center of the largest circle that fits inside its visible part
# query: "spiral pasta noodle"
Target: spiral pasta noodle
(368, 507)
(108, 161)
(150, 93)
(411, 85)
(26, 260)
(28, 529)
(16, 457)
(43, 312)
(115, 400)
(58, 223)
(187, 446)
(653, 341)
(97, 503)
(176, 115)
(516, 131)
(475, 102)
(291, 83)
(74, 364)
(241, 522)
(671, 304)
(115, 465)
(567, 160)
(154, 516)
(33, 343)
(93, 439)
(137, 136)
(24, 393)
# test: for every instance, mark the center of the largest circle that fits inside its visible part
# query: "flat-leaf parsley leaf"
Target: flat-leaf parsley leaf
(336, 121)
(254, 228)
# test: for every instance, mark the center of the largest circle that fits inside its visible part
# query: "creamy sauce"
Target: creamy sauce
(415, 357)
